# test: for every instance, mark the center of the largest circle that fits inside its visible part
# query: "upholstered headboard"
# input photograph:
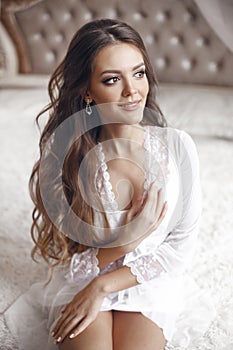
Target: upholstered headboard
(182, 45)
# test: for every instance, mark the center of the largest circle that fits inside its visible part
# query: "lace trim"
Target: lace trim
(157, 155)
(114, 265)
(145, 268)
(84, 265)
(103, 183)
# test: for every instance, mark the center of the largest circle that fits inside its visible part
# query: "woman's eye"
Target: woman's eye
(110, 81)
(140, 74)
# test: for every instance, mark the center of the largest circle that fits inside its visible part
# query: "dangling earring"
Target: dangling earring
(88, 109)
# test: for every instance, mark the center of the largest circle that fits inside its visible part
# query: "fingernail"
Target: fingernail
(72, 335)
(58, 340)
(52, 333)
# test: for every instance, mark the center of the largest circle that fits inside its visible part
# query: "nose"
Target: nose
(129, 88)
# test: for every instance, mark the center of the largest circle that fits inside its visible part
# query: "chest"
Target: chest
(127, 180)
(123, 179)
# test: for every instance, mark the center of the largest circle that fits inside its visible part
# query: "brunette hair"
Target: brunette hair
(67, 88)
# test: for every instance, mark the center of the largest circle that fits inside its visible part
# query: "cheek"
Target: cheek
(103, 96)
(144, 91)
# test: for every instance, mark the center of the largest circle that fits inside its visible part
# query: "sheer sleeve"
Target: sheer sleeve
(176, 251)
(84, 266)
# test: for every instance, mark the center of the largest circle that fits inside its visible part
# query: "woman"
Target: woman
(117, 206)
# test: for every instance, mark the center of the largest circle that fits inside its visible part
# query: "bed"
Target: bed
(193, 64)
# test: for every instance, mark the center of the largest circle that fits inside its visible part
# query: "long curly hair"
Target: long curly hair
(60, 157)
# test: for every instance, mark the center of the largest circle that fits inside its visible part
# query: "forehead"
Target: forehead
(117, 56)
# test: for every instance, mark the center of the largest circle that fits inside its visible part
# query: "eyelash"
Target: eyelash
(116, 78)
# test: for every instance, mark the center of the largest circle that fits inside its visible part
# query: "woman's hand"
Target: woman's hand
(141, 220)
(79, 313)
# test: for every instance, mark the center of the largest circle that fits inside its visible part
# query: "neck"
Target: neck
(126, 133)
(114, 131)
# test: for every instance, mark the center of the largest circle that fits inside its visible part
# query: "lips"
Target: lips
(130, 106)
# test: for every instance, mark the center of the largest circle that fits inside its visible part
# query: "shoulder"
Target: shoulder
(178, 142)
(186, 144)
(185, 150)
(179, 138)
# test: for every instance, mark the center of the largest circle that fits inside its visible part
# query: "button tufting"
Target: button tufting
(201, 41)
(186, 43)
(46, 16)
(108, 13)
(58, 38)
(66, 16)
(213, 66)
(175, 40)
(162, 16)
(189, 16)
(161, 62)
(87, 16)
(149, 39)
(50, 56)
(137, 16)
(37, 36)
(186, 64)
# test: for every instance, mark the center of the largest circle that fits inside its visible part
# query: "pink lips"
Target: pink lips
(130, 106)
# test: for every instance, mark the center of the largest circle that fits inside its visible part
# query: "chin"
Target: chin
(111, 113)
(130, 117)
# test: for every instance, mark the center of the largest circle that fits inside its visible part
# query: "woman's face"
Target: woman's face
(119, 85)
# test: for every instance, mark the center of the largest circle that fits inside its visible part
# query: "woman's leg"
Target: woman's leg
(97, 336)
(132, 330)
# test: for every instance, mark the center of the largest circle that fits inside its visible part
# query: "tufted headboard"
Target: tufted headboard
(182, 45)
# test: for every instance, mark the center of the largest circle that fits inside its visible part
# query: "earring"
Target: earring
(88, 109)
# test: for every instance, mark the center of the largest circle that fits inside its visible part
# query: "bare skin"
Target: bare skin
(119, 331)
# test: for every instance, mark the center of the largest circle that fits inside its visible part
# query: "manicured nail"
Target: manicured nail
(58, 340)
(72, 335)
(52, 333)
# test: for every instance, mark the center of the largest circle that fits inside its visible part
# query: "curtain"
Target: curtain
(219, 14)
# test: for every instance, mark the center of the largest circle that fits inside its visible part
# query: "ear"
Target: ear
(87, 97)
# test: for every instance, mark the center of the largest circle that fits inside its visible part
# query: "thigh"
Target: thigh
(97, 335)
(132, 330)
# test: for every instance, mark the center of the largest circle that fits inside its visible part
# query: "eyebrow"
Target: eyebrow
(118, 71)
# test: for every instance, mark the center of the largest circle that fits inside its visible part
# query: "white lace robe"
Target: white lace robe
(165, 293)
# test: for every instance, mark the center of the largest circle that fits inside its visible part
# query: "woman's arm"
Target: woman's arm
(85, 306)
(115, 281)
(176, 251)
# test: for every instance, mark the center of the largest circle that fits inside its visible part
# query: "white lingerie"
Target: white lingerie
(165, 294)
